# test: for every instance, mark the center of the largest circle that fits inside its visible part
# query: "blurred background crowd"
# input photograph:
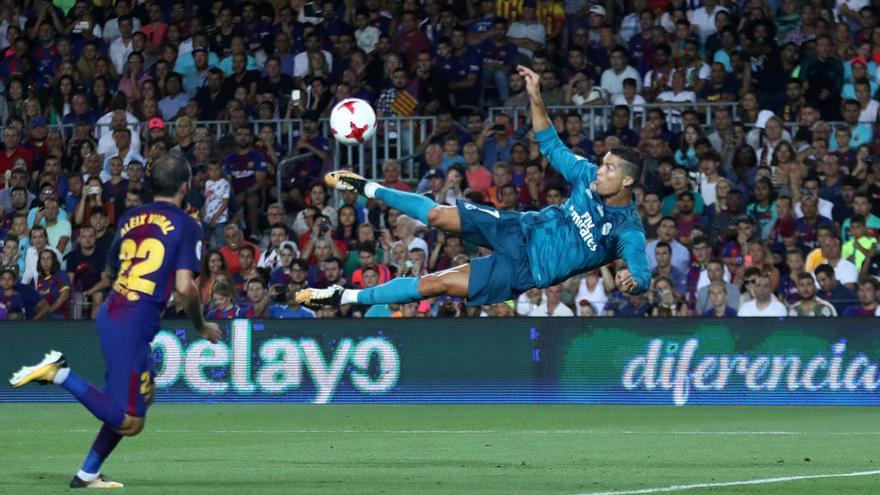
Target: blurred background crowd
(756, 119)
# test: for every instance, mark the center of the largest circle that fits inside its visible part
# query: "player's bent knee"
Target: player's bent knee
(444, 217)
(131, 426)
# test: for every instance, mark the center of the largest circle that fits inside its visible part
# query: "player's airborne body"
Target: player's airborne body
(155, 253)
(599, 223)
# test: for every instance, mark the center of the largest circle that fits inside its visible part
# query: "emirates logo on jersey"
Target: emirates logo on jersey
(584, 222)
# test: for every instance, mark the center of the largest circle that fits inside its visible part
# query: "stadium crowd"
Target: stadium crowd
(770, 210)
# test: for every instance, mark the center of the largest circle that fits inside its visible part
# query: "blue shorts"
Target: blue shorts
(125, 343)
(505, 273)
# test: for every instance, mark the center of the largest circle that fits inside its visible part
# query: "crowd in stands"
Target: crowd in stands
(760, 196)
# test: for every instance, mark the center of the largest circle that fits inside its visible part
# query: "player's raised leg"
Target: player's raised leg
(54, 369)
(415, 205)
(454, 282)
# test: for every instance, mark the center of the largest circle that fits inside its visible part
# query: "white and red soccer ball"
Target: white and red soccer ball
(353, 121)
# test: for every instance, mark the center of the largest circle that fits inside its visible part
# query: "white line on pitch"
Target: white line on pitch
(681, 488)
(476, 432)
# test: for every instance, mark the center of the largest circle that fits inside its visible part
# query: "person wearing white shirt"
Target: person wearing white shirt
(366, 36)
(763, 304)
(845, 271)
(39, 240)
(678, 94)
(704, 19)
(122, 46)
(630, 98)
(552, 305)
(666, 232)
(111, 28)
(869, 107)
(612, 78)
(811, 188)
(527, 33)
(301, 60)
(19, 20)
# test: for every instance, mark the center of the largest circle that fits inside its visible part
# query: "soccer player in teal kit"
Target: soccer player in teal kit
(155, 253)
(599, 223)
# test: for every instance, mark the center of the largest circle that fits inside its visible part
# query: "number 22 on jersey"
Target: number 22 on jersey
(139, 260)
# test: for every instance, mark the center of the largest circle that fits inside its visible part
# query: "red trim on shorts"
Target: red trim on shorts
(132, 395)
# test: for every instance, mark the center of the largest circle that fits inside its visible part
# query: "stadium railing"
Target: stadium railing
(597, 118)
(396, 138)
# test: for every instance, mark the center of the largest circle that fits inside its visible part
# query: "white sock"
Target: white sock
(370, 189)
(86, 476)
(350, 296)
(60, 376)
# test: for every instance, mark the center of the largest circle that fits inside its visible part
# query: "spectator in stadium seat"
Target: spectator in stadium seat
(501, 176)
(255, 304)
(292, 309)
(573, 133)
(867, 294)
(632, 306)
(861, 206)
(612, 78)
(680, 182)
(831, 290)
(664, 268)
(666, 233)
(12, 151)
(248, 267)
(222, 305)
(861, 244)
(763, 302)
(667, 301)
(496, 141)
(810, 223)
(718, 301)
(844, 271)
(552, 304)
(716, 272)
(531, 194)
(391, 176)
(53, 285)
(620, 118)
(234, 238)
(685, 218)
(809, 304)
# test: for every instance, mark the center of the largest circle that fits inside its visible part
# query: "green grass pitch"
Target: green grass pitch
(262, 449)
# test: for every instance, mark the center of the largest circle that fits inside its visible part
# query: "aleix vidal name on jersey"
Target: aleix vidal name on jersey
(585, 223)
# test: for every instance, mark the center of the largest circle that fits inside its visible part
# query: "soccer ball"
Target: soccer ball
(353, 121)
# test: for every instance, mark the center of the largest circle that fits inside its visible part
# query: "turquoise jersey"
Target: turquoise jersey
(583, 234)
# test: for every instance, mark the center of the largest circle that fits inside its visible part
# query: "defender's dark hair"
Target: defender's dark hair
(631, 160)
(167, 174)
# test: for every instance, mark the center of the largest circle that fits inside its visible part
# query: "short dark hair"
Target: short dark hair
(804, 276)
(167, 174)
(825, 268)
(631, 160)
(248, 247)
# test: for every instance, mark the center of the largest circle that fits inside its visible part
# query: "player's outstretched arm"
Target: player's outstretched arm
(636, 279)
(558, 155)
(188, 294)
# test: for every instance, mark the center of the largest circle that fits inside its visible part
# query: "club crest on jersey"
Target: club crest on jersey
(251, 165)
(606, 228)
